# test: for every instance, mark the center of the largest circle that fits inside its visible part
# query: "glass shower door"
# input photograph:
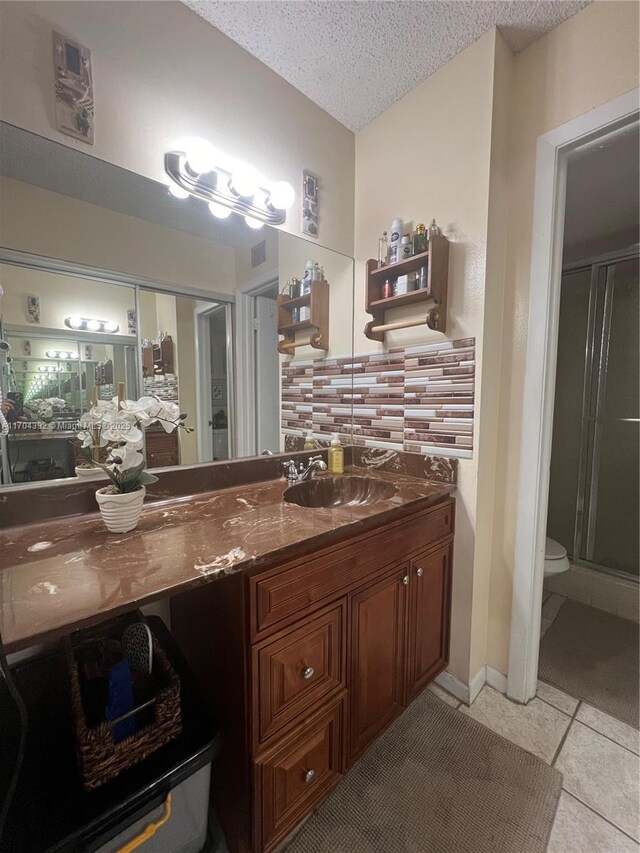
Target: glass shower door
(612, 499)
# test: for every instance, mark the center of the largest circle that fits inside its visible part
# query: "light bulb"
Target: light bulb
(51, 353)
(244, 181)
(93, 325)
(110, 326)
(219, 210)
(177, 191)
(75, 322)
(253, 223)
(282, 195)
(201, 156)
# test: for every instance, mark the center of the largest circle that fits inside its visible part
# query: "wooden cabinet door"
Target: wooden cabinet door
(429, 616)
(376, 682)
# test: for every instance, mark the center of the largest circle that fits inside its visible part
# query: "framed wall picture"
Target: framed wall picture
(33, 309)
(73, 87)
(309, 204)
(218, 393)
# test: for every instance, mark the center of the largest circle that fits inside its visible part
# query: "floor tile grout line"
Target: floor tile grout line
(617, 743)
(551, 705)
(566, 734)
(582, 722)
(605, 819)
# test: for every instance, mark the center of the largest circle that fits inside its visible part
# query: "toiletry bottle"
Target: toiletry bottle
(309, 443)
(386, 289)
(317, 272)
(419, 240)
(336, 455)
(383, 250)
(405, 248)
(394, 243)
(434, 230)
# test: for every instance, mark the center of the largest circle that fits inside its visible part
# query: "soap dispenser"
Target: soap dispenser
(336, 455)
(309, 443)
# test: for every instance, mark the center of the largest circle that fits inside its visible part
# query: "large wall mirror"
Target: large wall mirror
(108, 280)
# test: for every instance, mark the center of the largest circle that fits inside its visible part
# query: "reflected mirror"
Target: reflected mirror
(109, 284)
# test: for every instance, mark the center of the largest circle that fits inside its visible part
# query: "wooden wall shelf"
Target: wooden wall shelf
(434, 296)
(318, 301)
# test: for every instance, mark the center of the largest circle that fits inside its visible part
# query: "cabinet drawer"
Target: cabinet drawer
(283, 593)
(295, 671)
(297, 775)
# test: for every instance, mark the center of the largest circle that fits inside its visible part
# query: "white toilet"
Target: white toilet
(555, 558)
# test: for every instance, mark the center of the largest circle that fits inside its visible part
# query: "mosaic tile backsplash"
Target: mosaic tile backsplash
(417, 399)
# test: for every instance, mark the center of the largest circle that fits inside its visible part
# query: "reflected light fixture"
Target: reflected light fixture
(62, 354)
(89, 324)
(219, 210)
(227, 186)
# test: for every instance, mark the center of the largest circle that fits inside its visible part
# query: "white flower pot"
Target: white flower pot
(120, 511)
(90, 473)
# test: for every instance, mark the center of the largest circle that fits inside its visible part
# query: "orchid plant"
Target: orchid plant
(118, 426)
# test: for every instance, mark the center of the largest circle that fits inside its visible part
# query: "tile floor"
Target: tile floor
(599, 757)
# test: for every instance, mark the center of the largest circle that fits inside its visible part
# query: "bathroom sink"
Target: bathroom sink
(339, 491)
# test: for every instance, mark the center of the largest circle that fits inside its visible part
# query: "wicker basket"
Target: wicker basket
(101, 759)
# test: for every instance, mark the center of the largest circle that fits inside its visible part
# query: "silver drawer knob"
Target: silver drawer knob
(405, 580)
(419, 572)
(308, 672)
(309, 776)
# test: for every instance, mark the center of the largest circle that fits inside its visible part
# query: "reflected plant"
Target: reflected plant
(119, 427)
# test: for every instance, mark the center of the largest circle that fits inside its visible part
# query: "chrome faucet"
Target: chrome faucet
(295, 474)
(316, 463)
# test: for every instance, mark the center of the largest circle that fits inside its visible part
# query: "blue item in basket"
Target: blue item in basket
(120, 700)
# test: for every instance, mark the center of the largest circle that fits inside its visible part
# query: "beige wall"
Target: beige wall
(161, 73)
(61, 296)
(58, 226)
(586, 61)
(428, 156)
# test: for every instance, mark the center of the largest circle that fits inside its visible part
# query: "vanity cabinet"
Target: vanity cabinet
(305, 662)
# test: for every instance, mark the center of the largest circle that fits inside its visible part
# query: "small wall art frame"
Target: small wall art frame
(33, 308)
(310, 213)
(73, 86)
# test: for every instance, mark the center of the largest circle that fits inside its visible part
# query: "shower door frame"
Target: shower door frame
(590, 444)
(553, 151)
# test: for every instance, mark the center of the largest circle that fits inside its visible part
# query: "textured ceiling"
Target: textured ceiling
(354, 58)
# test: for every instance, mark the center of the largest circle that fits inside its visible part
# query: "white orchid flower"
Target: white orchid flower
(87, 439)
(136, 411)
(127, 457)
(122, 430)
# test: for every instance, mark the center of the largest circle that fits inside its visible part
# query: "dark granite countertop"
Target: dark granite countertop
(70, 572)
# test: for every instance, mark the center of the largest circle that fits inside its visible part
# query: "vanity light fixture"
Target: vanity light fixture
(61, 354)
(49, 368)
(87, 324)
(200, 171)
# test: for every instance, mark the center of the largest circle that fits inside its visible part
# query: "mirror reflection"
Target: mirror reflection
(112, 285)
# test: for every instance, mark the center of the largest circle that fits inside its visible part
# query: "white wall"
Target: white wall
(162, 73)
